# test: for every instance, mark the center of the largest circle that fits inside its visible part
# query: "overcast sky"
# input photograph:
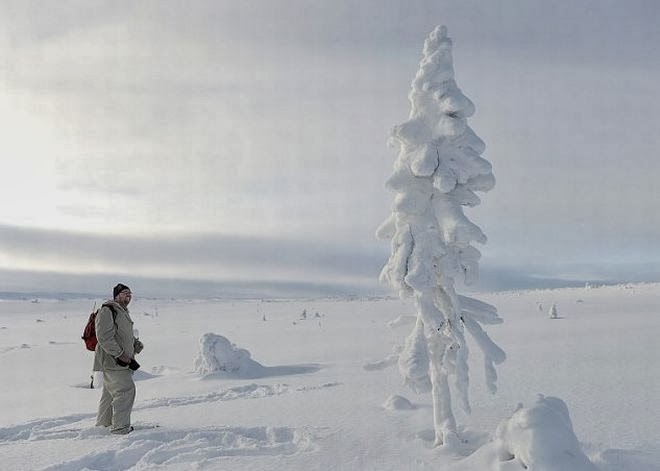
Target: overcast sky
(245, 141)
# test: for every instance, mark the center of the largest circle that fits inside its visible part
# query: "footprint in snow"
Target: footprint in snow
(82, 425)
(204, 446)
(47, 429)
(18, 347)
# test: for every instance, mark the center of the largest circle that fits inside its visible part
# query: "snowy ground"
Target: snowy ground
(314, 405)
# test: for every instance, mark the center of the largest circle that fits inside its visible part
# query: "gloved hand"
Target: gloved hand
(138, 346)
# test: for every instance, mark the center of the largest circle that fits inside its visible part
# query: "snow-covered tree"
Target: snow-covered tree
(437, 172)
(553, 313)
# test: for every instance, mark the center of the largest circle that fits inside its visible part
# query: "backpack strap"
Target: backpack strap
(113, 310)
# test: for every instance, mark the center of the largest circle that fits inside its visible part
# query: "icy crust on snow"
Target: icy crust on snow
(539, 438)
(218, 355)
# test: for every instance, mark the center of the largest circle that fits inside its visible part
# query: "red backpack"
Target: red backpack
(89, 333)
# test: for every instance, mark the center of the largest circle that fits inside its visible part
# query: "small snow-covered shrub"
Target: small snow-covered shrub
(541, 438)
(217, 355)
(396, 402)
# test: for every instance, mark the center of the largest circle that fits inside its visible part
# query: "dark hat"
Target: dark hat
(118, 289)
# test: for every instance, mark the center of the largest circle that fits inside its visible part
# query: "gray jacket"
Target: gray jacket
(115, 337)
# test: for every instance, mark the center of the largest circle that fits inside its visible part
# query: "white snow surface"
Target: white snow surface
(312, 404)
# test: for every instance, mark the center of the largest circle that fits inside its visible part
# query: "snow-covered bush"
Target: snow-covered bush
(541, 438)
(218, 355)
(438, 171)
(396, 402)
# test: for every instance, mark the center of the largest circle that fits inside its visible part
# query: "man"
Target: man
(115, 357)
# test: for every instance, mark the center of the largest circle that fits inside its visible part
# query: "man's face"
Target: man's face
(124, 297)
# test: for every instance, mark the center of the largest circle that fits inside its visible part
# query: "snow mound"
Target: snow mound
(396, 402)
(541, 438)
(538, 438)
(218, 355)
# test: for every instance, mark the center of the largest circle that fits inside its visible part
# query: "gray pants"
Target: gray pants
(117, 400)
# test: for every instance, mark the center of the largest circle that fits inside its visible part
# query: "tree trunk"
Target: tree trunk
(443, 418)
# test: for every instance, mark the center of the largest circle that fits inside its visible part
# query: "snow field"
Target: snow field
(314, 405)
